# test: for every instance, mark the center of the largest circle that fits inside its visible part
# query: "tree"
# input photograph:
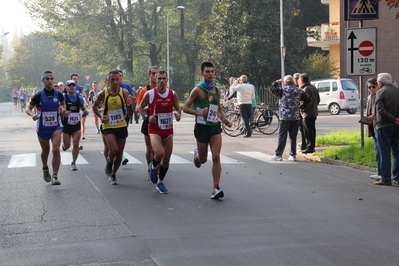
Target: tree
(391, 4)
(319, 65)
(243, 37)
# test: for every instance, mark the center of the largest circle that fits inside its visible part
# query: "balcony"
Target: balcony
(323, 35)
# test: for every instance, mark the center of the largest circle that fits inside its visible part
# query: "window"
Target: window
(348, 85)
(323, 86)
(335, 86)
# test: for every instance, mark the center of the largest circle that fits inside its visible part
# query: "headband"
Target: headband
(47, 75)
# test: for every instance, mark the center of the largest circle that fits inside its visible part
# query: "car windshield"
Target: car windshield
(348, 85)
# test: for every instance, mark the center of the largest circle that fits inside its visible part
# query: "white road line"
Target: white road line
(132, 160)
(223, 159)
(66, 159)
(22, 160)
(174, 159)
(263, 157)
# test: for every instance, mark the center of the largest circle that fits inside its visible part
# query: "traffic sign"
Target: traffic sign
(360, 9)
(361, 55)
(87, 84)
(87, 77)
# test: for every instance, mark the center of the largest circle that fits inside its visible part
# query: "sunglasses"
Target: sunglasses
(152, 73)
(372, 87)
(161, 78)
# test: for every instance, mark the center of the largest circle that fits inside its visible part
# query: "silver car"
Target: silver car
(337, 95)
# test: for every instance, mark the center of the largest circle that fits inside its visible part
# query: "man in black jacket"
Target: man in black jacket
(309, 115)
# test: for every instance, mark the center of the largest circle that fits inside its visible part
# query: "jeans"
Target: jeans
(388, 142)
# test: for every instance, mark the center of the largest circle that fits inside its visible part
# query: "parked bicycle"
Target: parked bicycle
(265, 121)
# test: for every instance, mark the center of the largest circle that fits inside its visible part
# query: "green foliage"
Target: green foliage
(352, 151)
(319, 65)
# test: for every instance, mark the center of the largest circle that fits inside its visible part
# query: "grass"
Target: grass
(351, 151)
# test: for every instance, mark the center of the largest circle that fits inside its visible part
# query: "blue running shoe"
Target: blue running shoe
(153, 174)
(124, 160)
(196, 163)
(112, 180)
(161, 188)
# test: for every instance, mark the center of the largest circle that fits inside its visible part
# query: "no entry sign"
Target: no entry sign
(361, 53)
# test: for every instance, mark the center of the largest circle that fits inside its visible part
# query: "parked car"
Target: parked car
(337, 95)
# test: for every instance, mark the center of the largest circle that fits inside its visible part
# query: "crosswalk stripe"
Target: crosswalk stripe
(22, 160)
(131, 159)
(174, 159)
(223, 159)
(263, 157)
(66, 159)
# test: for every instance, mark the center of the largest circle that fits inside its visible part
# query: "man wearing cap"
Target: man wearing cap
(61, 86)
(49, 104)
(71, 121)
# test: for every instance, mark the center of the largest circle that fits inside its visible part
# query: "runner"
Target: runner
(15, 96)
(161, 101)
(49, 103)
(204, 103)
(144, 127)
(116, 101)
(71, 121)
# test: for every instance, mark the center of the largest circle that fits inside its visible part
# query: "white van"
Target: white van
(337, 95)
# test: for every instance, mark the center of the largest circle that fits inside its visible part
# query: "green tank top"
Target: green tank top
(212, 102)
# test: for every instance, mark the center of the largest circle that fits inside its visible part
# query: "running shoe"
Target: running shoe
(55, 181)
(46, 175)
(98, 131)
(292, 158)
(196, 163)
(112, 180)
(124, 160)
(81, 148)
(73, 166)
(161, 188)
(217, 193)
(108, 168)
(83, 137)
(153, 174)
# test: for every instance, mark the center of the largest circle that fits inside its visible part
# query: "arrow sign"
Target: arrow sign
(351, 48)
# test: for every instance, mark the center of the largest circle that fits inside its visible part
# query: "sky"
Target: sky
(14, 18)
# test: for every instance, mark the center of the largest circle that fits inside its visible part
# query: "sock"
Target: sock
(162, 172)
(155, 163)
(216, 186)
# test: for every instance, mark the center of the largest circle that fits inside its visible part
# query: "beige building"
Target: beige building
(332, 37)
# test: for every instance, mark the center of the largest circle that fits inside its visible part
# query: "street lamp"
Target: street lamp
(5, 33)
(167, 39)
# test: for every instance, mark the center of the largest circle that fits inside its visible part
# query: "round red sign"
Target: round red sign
(366, 48)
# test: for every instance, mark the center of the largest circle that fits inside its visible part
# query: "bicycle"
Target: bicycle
(266, 121)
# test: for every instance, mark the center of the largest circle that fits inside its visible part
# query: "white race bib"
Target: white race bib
(49, 118)
(115, 117)
(73, 118)
(213, 113)
(165, 120)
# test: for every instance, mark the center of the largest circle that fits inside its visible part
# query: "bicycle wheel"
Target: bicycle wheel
(268, 122)
(237, 127)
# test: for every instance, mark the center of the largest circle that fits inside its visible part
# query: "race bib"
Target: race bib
(213, 113)
(165, 121)
(73, 118)
(49, 118)
(115, 117)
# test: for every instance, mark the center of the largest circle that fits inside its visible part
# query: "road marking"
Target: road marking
(22, 160)
(223, 159)
(131, 159)
(263, 157)
(66, 159)
(174, 159)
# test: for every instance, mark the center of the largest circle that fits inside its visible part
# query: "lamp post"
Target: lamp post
(283, 48)
(167, 39)
(5, 33)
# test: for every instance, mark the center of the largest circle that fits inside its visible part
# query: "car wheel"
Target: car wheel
(352, 111)
(335, 109)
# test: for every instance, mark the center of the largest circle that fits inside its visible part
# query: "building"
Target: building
(332, 37)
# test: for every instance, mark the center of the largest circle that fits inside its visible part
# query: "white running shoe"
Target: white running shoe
(276, 158)
(292, 158)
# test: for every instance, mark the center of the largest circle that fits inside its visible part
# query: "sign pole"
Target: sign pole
(361, 100)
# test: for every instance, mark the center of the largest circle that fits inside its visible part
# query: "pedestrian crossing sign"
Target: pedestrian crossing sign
(361, 9)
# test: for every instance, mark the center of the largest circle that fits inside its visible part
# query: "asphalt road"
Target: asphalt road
(273, 213)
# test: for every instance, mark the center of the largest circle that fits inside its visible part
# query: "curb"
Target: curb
(326, 160)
